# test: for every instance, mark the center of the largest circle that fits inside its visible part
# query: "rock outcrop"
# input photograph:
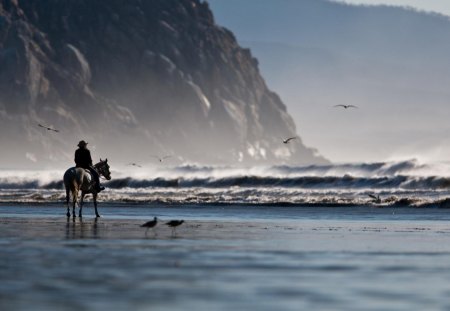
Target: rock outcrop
(134, 78)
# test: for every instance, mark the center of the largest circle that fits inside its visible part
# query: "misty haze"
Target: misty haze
(393, 62)
(150, 79)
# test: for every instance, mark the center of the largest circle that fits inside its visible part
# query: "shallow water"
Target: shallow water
(225, 257)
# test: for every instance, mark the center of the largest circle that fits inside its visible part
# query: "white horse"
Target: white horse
(77, 178)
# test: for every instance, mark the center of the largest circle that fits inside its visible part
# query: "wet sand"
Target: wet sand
(332, 234)
(55, 263)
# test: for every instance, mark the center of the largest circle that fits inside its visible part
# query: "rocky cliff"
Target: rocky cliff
(134, 78)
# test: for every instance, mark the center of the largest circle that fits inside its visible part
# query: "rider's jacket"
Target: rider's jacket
(83, 158)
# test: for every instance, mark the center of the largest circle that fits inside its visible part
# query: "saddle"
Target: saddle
(89, 175)
(90, 178)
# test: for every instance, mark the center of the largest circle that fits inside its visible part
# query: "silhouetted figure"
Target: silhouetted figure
(286, 141)
(83, 159)
(150, 224)
(174, 224)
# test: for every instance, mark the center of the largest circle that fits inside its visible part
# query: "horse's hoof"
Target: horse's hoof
(98, 216)
(68, 215)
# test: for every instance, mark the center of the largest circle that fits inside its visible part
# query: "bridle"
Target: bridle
(102, 169)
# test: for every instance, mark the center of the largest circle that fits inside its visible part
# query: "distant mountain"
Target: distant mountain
(134, 78)
(393, 62)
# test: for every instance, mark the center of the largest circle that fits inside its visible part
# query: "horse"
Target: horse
(77, 178)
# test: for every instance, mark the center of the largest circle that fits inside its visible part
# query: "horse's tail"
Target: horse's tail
(71, 182)
(69, 178)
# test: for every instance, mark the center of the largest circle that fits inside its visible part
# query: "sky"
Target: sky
(439, 6)
(393, 63)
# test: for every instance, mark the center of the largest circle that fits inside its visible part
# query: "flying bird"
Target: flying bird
(48, 128)
(150, 224)
(134, 164)
(160, 159)
(174, 224)
(346, 106)
(377, 198)
(286, 141)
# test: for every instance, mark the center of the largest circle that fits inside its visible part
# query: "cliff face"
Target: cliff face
(134, 78)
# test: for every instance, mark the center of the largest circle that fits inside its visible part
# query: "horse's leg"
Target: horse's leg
(94, 195)
(81, 204)
(75, 198)
(67, 201)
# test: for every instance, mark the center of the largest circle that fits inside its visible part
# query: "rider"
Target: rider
(83, 159)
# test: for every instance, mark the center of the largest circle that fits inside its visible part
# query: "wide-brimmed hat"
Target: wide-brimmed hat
(82, 143)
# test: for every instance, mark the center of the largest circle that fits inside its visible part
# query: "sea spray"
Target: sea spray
(403, 183)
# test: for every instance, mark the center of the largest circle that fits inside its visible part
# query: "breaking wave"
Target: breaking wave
(307, 182)
(406, 183)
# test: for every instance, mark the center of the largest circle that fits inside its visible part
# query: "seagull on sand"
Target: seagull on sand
(48, 128)
(174, 224)
(346, 106)
(150, 224)
(134, 164)
(160, 159)
(286, 141)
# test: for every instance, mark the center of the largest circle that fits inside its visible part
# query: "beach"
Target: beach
(244, 155)
(224, 257)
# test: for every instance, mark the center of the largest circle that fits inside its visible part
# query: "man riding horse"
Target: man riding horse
(80, 178)
(83, 159)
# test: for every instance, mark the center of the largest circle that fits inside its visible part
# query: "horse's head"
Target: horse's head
(103, 169)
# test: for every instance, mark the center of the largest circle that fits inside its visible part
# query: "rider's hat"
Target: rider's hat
(82, 143)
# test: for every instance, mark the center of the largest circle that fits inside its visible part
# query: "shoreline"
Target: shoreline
(439, 201)
(228, 212)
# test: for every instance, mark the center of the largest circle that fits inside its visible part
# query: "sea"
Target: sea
(385, 184)
(370, 236)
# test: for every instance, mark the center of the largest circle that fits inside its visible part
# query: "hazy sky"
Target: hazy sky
(440, 6)
(393, 63)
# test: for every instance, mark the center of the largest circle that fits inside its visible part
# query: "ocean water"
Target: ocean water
(262, 238)
(406, 183)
